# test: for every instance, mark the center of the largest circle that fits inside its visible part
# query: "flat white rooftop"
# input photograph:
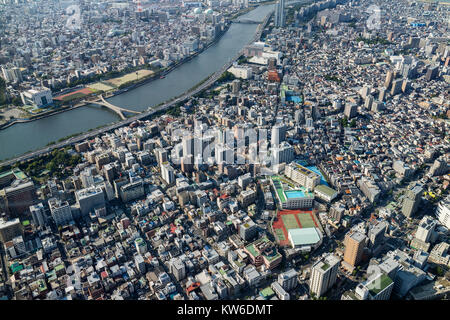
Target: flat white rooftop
(304, 236)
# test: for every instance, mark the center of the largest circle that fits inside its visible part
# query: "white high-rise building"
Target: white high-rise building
(323, 274)
(38, 214)
(188, 145)
(280, 14)
(425, 229)
(60, 210)
(288, 279)
(42, 97)
(90, 198)
(301, 175)
(167, 173)
(443, 212)
(12, 74)
(224, 154)
(278, 135)
(141, 246)
(178, 269)
(283, 153)
(87, 179)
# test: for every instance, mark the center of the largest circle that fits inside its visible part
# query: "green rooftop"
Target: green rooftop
(59, 267)
(267, 292)
(325, 266)
(279, 188)
(42, 285)
(254, 252)
(293, 192)
(16, 172)
(16, 267)
(384, 281)
(351, 294)
(251, 248)
(273, 255)
(326, 190)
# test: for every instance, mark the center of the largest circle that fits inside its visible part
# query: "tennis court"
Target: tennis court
(292, 219)
(289, 221)
(279, 234)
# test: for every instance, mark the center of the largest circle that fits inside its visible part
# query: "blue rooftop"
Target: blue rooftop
(316, 170)
(295, 99)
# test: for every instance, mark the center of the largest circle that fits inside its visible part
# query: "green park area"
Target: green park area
(53, 164)
(129, 78)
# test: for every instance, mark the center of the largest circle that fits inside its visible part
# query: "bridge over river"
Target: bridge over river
(119, 110)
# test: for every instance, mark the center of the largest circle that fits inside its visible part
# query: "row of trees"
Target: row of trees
(226, 76)
(344, 122)
(3, 98)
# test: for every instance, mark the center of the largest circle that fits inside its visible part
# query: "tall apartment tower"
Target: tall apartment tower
(324, 274)
(354, 245)
(382, 94)
(188, 145)
(38, 214)
(425, 229)
(288, 279)
(351, 110)
(19, 197)
(411, 201)
(389, 77)
(278, 134)
(236, 86)
(161, 155)
(60, 210)
(280, 14)
(443, 212)
(396, 86)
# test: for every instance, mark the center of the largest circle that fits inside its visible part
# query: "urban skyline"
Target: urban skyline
(312, 165)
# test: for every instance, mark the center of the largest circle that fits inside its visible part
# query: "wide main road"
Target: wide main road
(211, 80)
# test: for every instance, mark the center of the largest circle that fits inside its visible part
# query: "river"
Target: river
(23, 137)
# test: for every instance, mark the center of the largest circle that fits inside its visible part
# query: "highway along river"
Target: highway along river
(23, 137)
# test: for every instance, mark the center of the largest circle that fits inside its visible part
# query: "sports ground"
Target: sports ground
(293, 219)
(117, 82)
(75, 94)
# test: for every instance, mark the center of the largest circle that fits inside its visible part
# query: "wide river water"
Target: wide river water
(21, 138)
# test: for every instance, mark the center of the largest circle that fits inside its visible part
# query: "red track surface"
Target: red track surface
(278, 224)
(312, 217)
(85, 91)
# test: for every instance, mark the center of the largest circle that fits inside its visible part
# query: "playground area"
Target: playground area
(293, 219)
(78, 94)
(101, 86)
(132, 76)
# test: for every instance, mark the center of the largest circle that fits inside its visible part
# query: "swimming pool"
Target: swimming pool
(290, 194)
(295, 99)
